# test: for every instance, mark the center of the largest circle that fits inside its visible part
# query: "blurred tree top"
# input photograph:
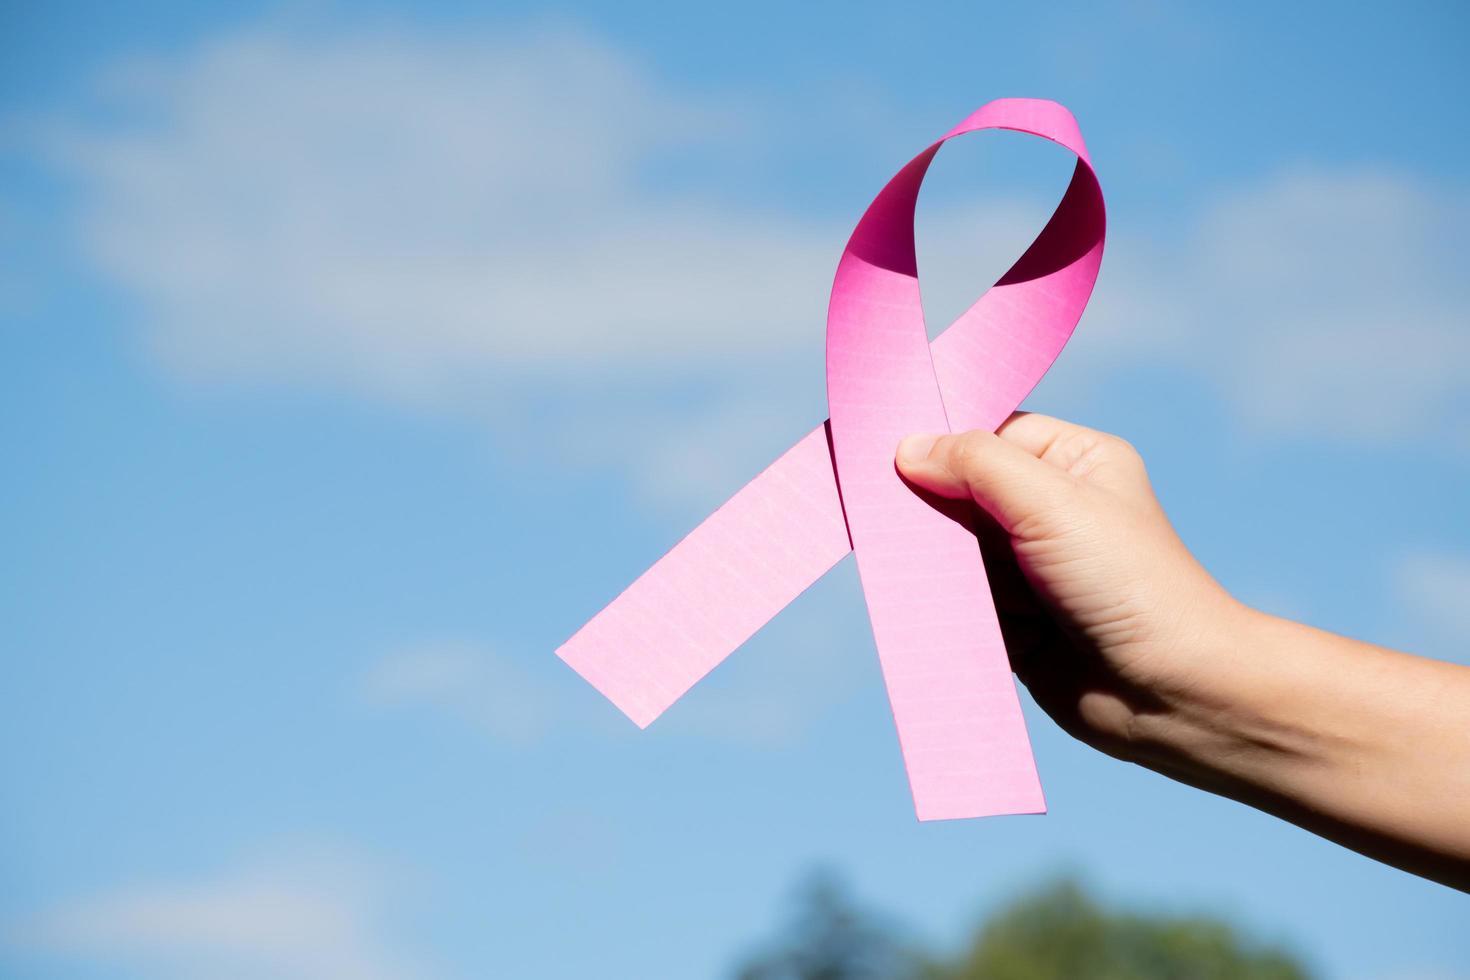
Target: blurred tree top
(1056, 933)
(830, 938)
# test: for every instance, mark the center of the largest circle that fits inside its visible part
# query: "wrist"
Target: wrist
(1234, 722)
(1359, 743)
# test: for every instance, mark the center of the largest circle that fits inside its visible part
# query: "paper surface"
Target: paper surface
(949, 683)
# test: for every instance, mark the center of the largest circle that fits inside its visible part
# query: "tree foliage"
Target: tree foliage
(831, 938)
(1061, 933)
(1058, 932)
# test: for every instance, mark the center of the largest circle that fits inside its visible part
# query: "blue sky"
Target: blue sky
(354, 356)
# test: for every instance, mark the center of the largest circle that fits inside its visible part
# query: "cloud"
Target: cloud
(470, 683)
(410, 216)
(498, 225)
(800, 675)
(1343, 293)
(305, 915)
(1435, 587)
(1318, 302)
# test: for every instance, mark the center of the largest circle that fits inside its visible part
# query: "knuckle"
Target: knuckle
(1080, 453)
(1077, 452)
(1122, 449)
(1127, 458)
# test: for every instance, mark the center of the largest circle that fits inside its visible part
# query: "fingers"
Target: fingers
(1004, 478)
(1037, 434)
(1025, 468)
(1097, 457)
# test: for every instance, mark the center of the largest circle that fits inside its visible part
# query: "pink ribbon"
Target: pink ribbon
(949, 682)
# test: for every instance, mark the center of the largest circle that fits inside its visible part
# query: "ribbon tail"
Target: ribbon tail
(713, 590)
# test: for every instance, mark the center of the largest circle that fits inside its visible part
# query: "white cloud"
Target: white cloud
(306, 915)
(410, 216)
(1435, 586)
(474, 685)
(797, 674)
(1345, 295)
(466, 224)
(473, 224)
(1321, 303)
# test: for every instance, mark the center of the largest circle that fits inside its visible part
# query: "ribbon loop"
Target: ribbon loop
(954, 701)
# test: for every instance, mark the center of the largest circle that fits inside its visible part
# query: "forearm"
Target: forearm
(1364, 745)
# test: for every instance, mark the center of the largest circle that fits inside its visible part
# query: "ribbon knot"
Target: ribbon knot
(949, 683)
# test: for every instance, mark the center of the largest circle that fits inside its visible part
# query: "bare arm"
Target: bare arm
(1131, 646)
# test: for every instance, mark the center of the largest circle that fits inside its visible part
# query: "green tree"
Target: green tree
(1061, 933)
(1056, 933)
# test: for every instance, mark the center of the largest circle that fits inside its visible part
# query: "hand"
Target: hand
(1102, 606)
(1125, 640)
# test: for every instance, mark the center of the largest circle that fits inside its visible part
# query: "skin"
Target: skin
(1131, 646)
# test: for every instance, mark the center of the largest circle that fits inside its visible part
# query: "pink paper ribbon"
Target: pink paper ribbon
(949, 682)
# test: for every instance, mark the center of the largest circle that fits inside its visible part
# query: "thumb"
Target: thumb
(1011, 484)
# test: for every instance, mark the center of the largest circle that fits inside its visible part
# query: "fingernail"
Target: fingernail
(916, 448)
